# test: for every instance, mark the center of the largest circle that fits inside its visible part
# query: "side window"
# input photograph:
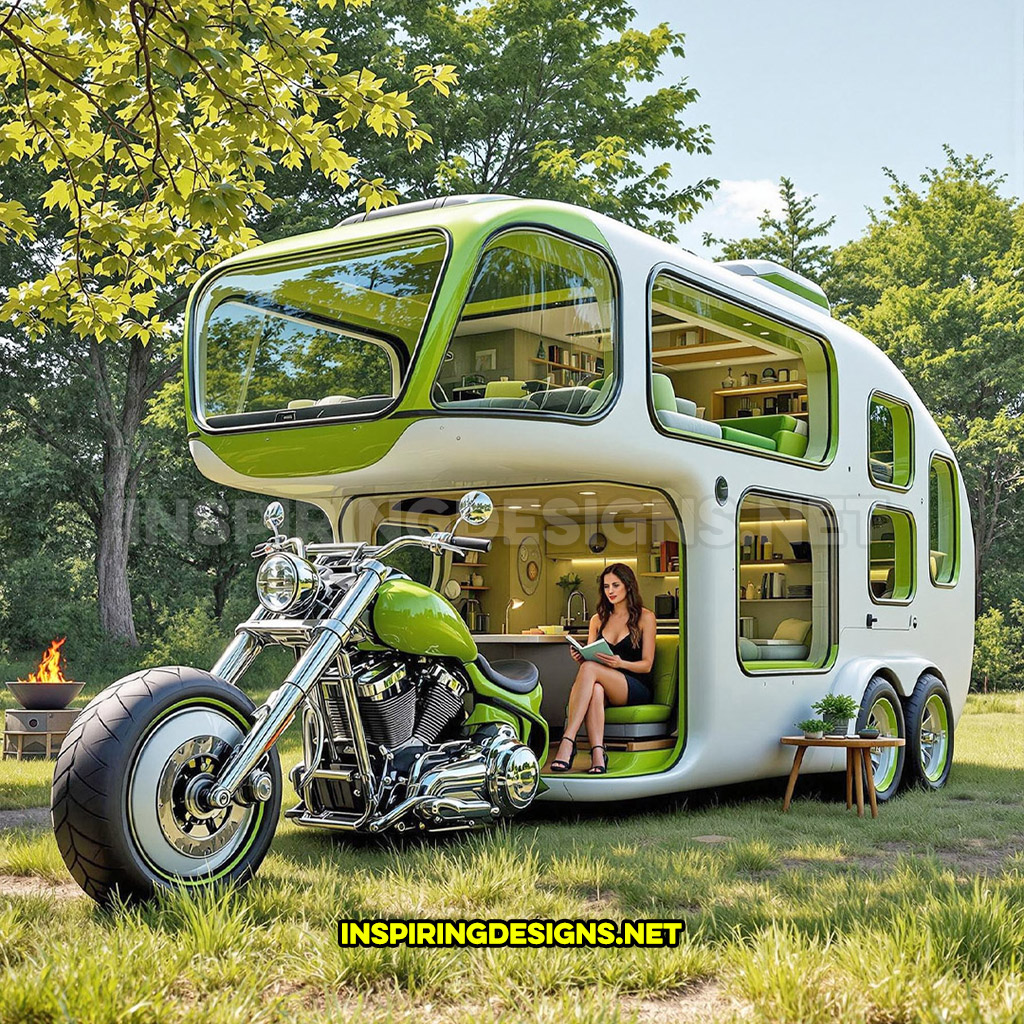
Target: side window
(537, 333)
(785, 571)
(416, 563)
(943, 526)
(890, 442)
(891, 557)
(728, 374)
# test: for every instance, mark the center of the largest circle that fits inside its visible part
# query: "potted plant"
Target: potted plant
(569, 581)
(812, 728)
(836, 709)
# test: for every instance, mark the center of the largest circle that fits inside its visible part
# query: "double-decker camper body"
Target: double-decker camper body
(794, 516)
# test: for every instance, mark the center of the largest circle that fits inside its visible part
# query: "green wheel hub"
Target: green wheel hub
(933, 740)
(884, 760)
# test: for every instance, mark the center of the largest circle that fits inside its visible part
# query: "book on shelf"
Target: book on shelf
(589, 652)
(668, 559)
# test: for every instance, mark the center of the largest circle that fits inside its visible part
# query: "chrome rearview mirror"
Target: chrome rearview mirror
(475, 508)
(273, 517)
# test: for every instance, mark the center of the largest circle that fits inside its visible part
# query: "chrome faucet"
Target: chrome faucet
(568, 606)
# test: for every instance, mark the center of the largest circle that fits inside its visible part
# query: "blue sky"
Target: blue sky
(828, 93)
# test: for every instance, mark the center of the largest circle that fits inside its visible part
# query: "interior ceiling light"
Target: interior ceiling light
(764, 334)
(589, 494)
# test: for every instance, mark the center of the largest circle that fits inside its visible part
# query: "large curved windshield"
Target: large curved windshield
(318, 338)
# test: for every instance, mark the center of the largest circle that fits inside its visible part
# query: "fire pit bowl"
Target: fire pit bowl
(45, 696)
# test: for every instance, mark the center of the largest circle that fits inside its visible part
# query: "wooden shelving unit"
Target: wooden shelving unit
(760, 564)
(566, 370)
(719, 396)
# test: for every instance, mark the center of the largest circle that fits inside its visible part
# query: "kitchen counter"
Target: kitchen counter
(519, 638)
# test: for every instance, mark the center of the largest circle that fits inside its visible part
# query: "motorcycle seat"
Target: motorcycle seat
(510, 674)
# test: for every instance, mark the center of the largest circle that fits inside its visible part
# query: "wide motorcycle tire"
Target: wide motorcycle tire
(118, 814)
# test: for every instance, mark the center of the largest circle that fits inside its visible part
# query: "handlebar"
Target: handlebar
(436, 542)
(472, 543)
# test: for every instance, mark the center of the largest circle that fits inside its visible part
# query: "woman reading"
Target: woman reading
(622, 677)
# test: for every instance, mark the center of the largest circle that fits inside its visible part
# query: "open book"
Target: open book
(590, 651)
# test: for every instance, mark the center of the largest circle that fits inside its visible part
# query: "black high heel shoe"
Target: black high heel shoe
(558, 765)
(602, 768)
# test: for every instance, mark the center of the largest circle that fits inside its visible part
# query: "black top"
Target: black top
(628, 651)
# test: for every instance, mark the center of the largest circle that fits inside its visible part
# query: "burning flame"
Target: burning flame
(49, 670)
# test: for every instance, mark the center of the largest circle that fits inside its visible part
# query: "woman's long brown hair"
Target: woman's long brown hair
(634, 602)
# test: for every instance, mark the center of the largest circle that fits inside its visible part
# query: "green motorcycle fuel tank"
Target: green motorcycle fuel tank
(412, 618)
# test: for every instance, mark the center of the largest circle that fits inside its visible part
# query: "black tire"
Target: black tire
(108, 776)
(929, 734)
(881, 709)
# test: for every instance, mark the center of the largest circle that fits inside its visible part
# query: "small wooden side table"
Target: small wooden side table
(858, 765)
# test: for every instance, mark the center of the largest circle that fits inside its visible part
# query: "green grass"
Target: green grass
(813, 916)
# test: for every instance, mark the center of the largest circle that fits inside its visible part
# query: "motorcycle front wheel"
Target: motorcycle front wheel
(120, 801)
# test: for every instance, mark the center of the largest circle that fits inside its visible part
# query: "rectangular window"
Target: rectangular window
(785, 556)
(890, 442)
(891, 558)
(318, 338)
(537, 333)
(943, 525)
(725, 373)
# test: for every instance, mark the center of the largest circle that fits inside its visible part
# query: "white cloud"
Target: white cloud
(745, 201)
(733, 213)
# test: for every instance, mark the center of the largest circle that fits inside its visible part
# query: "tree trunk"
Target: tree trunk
(120, 406)
(114, 535)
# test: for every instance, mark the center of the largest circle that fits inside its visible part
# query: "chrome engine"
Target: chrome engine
(424, 775)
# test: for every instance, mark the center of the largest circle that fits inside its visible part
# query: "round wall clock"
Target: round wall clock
(528, 565)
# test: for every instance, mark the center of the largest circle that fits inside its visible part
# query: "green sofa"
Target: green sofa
(781, 433)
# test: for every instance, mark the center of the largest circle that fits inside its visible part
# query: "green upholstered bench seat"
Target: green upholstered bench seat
(637, 714)
(781, 433)
(747, 437)
(643, 721)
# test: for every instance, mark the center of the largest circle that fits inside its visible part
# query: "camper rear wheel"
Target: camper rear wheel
(881, 709)
(929, 734)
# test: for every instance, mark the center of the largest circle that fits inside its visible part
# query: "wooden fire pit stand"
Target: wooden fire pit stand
(36, 734)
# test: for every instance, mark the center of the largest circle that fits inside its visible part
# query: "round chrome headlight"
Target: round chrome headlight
(285, 582)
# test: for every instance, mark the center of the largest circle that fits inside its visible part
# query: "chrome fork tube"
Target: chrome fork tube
(327, 642)
(239, 655)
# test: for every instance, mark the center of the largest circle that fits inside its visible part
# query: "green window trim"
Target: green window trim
(891, 560)
(598, 346)
(821, 533)
(890, 442)
(816, 446)
(943, 522)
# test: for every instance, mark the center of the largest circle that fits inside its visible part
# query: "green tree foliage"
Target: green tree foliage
(997, 658)
(552, 103)
(936, 282)
(791, 239)
(156, 128)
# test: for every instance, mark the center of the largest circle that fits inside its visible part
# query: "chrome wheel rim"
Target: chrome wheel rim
(882, 717)
(933, 738)
(175, 839)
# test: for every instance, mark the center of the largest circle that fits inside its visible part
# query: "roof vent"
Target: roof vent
(781, 279)
(421, 205)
